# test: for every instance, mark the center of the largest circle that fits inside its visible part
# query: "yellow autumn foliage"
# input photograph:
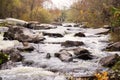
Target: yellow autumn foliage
(102, 76)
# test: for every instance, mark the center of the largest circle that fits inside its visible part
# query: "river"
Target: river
(53, 68)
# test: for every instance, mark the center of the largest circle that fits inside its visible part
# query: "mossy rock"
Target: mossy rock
(3, 58)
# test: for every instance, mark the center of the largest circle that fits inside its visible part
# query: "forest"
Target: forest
(39, 42)
(98, 12)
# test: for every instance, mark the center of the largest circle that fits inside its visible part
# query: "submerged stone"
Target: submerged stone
(79, 34)
(72, 43)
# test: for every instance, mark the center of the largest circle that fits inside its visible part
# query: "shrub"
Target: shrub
(3, 58)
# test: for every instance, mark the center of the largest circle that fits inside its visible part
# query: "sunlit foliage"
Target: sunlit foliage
(24, 9)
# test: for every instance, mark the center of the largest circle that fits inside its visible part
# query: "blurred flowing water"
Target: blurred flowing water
(53, 68)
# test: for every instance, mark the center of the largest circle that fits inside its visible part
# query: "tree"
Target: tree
(41, 15)
(23, 9)
(95, 12)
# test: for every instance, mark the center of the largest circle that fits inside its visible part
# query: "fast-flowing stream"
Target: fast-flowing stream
(41, 68)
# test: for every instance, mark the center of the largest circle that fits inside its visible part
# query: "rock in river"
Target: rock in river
(79, 34)
(109, 61)
(68, 25)
(55, 35)
(26, 47)
(114, 47)
(82, 53)
(64, 55)
(72, 43)
(14, 21)
(23, 34)
(37, 26)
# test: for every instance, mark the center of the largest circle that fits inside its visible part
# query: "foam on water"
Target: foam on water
(7, 44)
(93, 42)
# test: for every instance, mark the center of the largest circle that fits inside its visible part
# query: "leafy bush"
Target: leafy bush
(102, 76)
(3, 58)
(115, 19)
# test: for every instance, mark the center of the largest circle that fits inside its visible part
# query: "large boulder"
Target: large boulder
(14, 21)
(82, 53)
(79, 34)
(114, 47)
(64, 55)
(68, 55)
(109, 61)
(72, 43)
(23, 35)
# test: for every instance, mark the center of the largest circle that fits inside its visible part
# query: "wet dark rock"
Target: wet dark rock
(114, 47)
(52, 34)
(76, 25)
(16, 56)
(38, 26)
(72, 43)
(68, 26)
(27, 63)
(31, 24)
(64, 56)
(80, 34)
(109, 61)
(23, 34)
(82, 54)
(48, 56)
(26, 47)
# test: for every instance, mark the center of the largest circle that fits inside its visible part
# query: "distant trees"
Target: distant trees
(94, 12)
(24, 9)
(56, 13)
(9, 8)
